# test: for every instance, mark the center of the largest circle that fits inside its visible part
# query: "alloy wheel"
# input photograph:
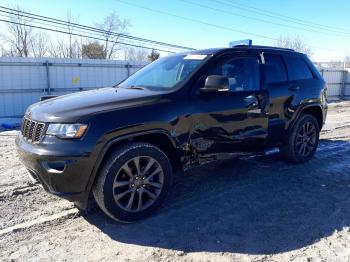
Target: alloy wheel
(138, 184)
(306, 139)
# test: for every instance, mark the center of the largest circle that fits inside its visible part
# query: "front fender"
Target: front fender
(109, 140)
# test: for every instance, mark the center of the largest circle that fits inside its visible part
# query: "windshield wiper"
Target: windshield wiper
(135, 87)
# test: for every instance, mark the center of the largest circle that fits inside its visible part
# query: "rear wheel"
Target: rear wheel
(302, 140)
(133, 182)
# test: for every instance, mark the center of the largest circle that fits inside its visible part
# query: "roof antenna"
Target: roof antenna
(246, 42)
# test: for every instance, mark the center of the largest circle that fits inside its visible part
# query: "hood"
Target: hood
(72, 107)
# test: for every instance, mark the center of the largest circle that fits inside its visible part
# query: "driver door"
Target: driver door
(232, 121)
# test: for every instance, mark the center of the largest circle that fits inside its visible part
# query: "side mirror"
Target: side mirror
(216, 83)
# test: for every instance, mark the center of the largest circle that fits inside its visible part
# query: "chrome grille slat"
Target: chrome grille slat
(38, 132)
(26, 131)
(32, 131)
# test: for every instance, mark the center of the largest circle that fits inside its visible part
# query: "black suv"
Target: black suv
(121, 145)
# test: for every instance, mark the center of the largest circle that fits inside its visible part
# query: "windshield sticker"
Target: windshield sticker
(195, 57)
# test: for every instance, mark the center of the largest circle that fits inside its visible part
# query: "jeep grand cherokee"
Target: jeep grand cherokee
(122, 144)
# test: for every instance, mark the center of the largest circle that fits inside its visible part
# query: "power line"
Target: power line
(258, 19)
(81, 35)
(89, 28)
(212, 25)
(29, 21)
(36, 23)
(195, 20)
(305, 22)
(275, 15)
(62, 22)
(96, 30)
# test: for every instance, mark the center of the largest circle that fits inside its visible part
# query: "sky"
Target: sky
(214, 23)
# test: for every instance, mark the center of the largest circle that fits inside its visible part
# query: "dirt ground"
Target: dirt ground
(257, 209)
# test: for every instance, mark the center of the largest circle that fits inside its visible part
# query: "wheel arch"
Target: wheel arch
(159, 138)
(313, 109)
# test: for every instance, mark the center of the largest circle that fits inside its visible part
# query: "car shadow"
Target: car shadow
(259, 205)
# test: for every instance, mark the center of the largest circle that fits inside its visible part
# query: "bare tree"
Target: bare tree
(61, 48)
(113, 25)
(20, 34)
(74, 48)
(21, 39)
(67, 45)
(136, 54)
(295, 43)
(39, 44)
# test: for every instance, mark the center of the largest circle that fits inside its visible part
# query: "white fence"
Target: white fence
(338, 82)
(24, 80)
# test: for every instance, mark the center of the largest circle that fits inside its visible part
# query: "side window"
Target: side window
(243, 73)
(297, 68)
(275, 70)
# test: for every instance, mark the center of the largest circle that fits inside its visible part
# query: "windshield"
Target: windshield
(164, 73)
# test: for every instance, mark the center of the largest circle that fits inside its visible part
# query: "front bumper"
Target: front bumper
(62, 167)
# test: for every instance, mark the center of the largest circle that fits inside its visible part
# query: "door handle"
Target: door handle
(251, 101)
(294, 88)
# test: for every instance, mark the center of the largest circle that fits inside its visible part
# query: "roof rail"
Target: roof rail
(263, 47)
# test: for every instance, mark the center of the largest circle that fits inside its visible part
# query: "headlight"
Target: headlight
(66, 130)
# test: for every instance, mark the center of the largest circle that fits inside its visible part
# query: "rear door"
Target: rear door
(280, 96)
(232, 121)
(289, 81)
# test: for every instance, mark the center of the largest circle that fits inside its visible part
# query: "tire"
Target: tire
(293, 150)
(123, 181)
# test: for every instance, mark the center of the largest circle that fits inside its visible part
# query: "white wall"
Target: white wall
(335, 79)
(24, 80)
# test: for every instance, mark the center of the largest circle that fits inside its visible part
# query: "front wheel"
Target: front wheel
(302, 140)
(133, 182)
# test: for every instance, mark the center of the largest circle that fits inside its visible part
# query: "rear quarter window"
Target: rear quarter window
(297, 68)
(275, 70)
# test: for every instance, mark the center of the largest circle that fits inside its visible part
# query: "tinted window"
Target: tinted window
(243, 73)
(275, 71)
(297, 68)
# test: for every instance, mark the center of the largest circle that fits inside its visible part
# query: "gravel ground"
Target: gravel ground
(257, 209)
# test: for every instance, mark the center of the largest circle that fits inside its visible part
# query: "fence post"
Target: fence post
(343, 84)
(128, 66)
(48, 87)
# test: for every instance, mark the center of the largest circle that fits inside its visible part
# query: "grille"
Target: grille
(32, 131)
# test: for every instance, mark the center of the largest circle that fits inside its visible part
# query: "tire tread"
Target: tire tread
(98, 188)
